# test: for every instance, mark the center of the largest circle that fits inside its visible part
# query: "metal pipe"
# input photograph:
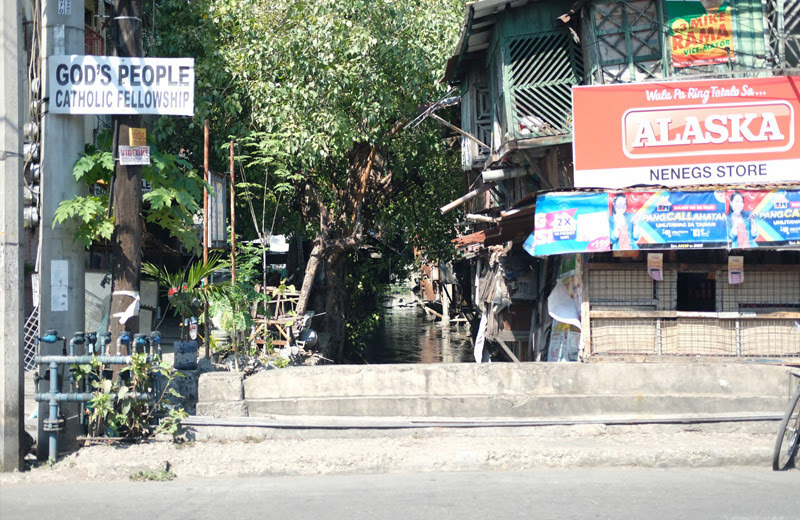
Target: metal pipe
(69, 360)
(91, 341)
(124, 338)
(481, 218)
(140, 342)
(469, 196)
(104, 338)
(207, 178)
(155, 339)
(233, 225)
(502, 174)
(77, 339)
(85, 396)
(52, 419)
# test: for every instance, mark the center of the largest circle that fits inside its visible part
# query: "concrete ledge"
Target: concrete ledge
(513, 406)
(220, 387)
(222, 409)
(502, 379)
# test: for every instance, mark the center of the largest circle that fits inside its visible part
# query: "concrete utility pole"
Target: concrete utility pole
(126, 270)
(62, 259)
(11, 342)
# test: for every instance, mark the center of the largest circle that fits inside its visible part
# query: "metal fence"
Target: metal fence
(688, 336)
(692, 312)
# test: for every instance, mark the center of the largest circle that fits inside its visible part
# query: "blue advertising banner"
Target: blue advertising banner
(569, 223)
(759, 218)
(677, 219)
(658, 220)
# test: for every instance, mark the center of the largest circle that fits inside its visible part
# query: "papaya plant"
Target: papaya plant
(174, 196)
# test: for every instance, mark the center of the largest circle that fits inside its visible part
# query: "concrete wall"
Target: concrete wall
(498, 390)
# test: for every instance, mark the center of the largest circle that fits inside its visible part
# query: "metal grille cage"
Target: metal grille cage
(631, 314)
(783, 31)
(31, 339)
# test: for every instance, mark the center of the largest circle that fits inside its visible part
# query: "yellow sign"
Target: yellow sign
(700, 37)
(137, 136)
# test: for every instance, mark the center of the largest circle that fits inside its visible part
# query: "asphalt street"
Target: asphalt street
(745, 493)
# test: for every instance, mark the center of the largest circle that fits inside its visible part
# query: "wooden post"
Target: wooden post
(207, 178)
(127, 243)
(233, 253)
(586, 324)
(233, 226)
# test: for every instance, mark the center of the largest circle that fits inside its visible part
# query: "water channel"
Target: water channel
(407, 336)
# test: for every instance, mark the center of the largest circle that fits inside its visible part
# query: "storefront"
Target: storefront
(685, 220)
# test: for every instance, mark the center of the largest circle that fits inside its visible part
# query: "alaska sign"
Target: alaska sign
(687, 133)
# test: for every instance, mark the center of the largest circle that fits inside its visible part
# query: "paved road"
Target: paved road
(612, 494)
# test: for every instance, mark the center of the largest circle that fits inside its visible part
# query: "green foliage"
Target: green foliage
(177, 28)
(365, 287)
(330, 73)
(89, 212)
(176, 195)
(305, 86)
(160, 475)
(427, 176)
(280, 362)
(120, 408)
(325, 76)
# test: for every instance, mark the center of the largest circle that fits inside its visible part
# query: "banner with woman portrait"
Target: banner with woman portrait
(757, 218)
(664, 219)
(667, 220)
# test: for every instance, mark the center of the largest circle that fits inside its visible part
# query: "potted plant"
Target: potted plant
(188, 293)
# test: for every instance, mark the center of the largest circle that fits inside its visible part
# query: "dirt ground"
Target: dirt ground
(303, 452)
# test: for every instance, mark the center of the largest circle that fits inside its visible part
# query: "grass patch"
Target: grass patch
(161, 475)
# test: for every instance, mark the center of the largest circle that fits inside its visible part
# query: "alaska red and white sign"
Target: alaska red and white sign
(687, 133)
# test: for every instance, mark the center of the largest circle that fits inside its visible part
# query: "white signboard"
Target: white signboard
(59, 285)
(111, 85)
(130, 155)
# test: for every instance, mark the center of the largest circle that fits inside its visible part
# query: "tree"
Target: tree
(335, 81)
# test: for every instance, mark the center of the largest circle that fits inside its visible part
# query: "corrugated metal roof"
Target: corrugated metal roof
(479, 20)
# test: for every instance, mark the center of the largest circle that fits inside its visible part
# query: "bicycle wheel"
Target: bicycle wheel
(788, 436)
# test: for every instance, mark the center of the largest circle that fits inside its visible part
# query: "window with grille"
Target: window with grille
(783, 31)
(628, 40)
(476, 118)
(542, 68)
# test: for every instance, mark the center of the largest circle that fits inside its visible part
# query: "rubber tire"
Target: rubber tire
(793, 411)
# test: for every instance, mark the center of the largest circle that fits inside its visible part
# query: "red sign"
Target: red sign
(687, 133)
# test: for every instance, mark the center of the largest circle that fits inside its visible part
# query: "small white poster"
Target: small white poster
(133, 155)
(35, 289)
(655, 266)
(59, 285)
(735, 270)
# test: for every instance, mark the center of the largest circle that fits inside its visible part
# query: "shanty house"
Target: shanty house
(637, 164)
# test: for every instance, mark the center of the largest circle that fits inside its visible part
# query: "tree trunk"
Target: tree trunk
(310, 274)
(335, 306)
